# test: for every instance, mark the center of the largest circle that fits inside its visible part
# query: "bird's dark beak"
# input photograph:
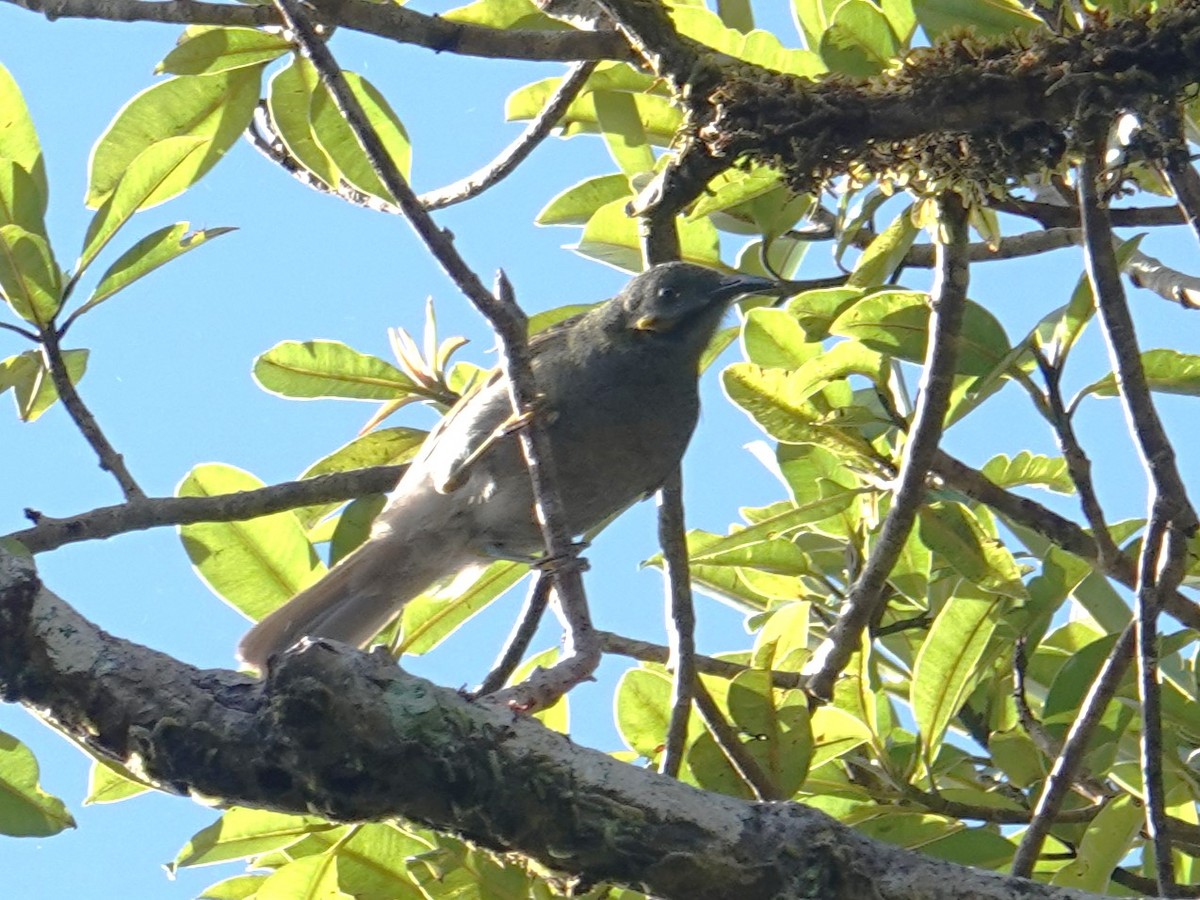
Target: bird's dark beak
(738, 283)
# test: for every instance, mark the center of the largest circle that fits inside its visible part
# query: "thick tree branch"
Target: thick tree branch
(350, 736)
(947, 301)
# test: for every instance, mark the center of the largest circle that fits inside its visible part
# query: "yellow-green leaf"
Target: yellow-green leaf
(254, 565)
(216, 108)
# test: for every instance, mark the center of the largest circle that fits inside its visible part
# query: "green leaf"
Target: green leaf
(990, 18)
(885, 253)
(156, 249)
(947, 667)
(1167, 371)
(354, 525)
(612, 236)
(1108, 839)
(503, 14)
(859, 41)
(896, 322)
(817, 310)
(777, 400)
(21, 202)
(328, 369)
(338, 141)
(154, 172)
(25, 809)
(107, 784)
(435, 615)
(289, 100)
(216, 108)
(766, 545)
(759, 47)
(311, 876)
(220, 49)
(373, 862)
(385, 447)
(659, 118)
(779, 723)
(254, 565)
(18, 137)
(241, 833)
(953, 531)
(835, 733)
(738, 187)
(29, 276)
(239, 887)
(642, 708)
(33, 388)
(1028, 468)
(621, 126)
(578, 203)
(774, 339)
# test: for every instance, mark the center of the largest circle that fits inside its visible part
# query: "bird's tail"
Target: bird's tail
(356, 599)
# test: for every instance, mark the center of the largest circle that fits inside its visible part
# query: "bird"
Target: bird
(618, 394)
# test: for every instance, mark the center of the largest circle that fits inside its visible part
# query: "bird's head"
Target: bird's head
(684, 299)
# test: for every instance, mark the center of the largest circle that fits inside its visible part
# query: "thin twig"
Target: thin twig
(516, 152)
(17, 329)
(681, 619)
(110, 460)
(156, 512)
(738, 754)
(1079, 466)
(581, 654)
(646, 651)
(947, 301)
(526, 626)
(1064, 772)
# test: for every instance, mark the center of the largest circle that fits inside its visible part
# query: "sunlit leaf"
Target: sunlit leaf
(29, 276)
(18, 138)
(154, 250)
(254, 565)
(141, 186)
(219, 49)
(328, 369)
(216, 108)
(25, 809)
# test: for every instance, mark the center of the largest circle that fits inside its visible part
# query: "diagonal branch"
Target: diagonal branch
(581, 654)
(947, 301)
(516, 152)
(110, 460)
(1172, 517)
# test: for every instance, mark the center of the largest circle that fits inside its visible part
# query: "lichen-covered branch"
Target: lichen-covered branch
(430, 755)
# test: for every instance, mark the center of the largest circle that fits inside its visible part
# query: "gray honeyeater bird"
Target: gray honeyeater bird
(619, 396)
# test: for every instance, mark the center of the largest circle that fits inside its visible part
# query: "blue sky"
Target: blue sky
(169, 381)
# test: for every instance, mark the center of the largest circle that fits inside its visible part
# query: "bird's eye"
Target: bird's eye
(666, 294)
